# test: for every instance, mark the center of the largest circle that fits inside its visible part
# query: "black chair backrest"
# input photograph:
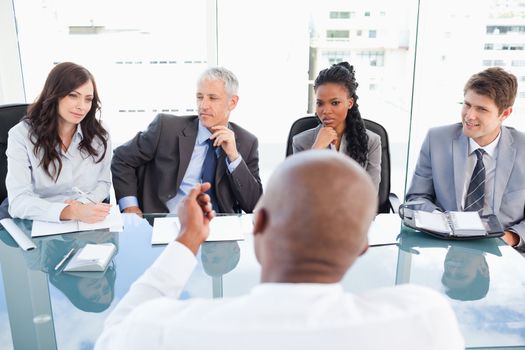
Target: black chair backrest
(10, 115)
(310, 122)
(298, 126)
(384, 185)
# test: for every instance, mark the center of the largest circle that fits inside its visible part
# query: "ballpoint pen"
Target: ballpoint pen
(61, 262)
(84, 194)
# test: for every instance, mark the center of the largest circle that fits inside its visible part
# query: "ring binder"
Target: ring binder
(453, 225)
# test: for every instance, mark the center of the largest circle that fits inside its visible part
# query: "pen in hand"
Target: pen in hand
(84, 194)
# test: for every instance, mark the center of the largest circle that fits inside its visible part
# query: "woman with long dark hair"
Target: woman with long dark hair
(59, 155)
(341, 127)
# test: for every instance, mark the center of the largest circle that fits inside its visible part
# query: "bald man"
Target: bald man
(299, 303)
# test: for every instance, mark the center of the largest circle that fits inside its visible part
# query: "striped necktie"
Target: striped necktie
(476, 189)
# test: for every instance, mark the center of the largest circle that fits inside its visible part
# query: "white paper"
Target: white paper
(44, 228)
(384, 229)
(95, 251)
(436, 222)
(165, 230)
(18, 235)
(466, 220)
(113, 221)
(222, 228)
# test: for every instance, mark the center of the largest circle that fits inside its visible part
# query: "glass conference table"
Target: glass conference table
(41, 308)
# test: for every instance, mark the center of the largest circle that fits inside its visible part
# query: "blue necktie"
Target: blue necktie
(208, 173)
(476, 190)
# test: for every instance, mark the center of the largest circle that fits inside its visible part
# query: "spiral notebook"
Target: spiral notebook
(453, 223)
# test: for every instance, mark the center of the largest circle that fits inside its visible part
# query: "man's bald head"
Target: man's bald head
(313, 218)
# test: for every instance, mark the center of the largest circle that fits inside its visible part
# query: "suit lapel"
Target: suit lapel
(505, 162)
(187, 139)
(459, 155)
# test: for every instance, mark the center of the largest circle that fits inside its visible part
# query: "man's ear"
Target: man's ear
(505, 114)
(233, 102)
(260, 221)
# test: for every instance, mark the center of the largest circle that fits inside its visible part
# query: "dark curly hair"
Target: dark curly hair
(355, 132)
(42, 117)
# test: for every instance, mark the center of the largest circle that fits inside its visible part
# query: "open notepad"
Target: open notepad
(113, 222)
(222, 228)
(453, 223)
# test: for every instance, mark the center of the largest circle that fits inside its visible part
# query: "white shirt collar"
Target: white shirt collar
(297, 288)
(203, 134)
(490, 149)
(79, 132)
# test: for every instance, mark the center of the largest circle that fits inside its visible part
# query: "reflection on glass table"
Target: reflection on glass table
(219, 258)
(484, 280)
(466, 274)
(45, 309)
(88, 291)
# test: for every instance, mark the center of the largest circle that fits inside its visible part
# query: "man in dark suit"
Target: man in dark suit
(449, 163)
(158, 167)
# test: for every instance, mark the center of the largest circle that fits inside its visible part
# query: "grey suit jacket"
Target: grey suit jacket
(305, 140)
(151, 166)
(440, 174)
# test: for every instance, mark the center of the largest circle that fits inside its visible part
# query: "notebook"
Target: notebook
(91, 257)
(454, 223)
(222, 228)
(113, 222)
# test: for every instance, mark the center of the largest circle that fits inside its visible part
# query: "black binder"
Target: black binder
(493, 227)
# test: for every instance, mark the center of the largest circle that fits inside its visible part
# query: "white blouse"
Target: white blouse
(34, 195)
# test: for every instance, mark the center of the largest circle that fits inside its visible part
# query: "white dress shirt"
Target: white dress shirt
(275, 315)
(490, 158)
(34, 195)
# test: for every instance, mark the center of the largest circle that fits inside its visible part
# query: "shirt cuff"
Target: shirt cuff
(233, 165)
(128, 201)
(55, 209)
(521, 244)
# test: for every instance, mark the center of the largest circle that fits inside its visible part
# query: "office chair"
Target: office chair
(388, 202)
(10, 115)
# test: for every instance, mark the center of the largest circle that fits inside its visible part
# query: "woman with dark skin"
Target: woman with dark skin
(342, 128)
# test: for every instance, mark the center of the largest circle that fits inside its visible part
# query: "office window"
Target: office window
(338, 34)
(496, 27)
(504, 29)
(336, 56)
(340, 14)
(374, 58)
(144, 63)
(149, 67)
